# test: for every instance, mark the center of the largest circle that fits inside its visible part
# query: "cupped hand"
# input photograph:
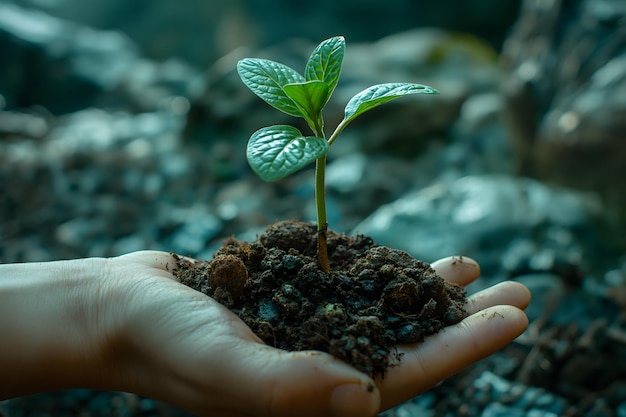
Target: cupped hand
(496, 318)
(169, 342)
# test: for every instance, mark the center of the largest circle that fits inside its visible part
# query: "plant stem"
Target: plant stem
(320, 198)
(337, 131)
(320, 193)
(320, 206)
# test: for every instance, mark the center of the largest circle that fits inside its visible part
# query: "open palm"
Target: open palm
(182, 347)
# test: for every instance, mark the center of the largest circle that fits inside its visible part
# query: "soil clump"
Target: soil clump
(373, 298)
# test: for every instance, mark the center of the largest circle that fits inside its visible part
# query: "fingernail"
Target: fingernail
(355, 400)
(458, 269)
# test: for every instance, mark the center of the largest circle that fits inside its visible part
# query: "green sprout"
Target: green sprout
(275, 152)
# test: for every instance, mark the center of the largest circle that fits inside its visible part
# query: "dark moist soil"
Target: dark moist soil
(373, 298)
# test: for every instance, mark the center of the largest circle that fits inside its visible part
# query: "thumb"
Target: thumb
(276, 383)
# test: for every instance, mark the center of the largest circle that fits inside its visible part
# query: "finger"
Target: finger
(270, 382)
(422, 366)
(457, 269)
(157, 260)
(316, 384)
(504, 293)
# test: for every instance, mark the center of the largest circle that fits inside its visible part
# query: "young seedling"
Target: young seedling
(277, 151)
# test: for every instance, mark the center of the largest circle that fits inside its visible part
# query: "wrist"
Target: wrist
(51, 333)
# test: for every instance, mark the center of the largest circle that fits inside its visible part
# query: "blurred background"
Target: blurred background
(123, 127)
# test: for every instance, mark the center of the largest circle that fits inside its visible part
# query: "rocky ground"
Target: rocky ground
(105, 151)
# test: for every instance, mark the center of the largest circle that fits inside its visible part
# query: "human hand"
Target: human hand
(179, 346)
(496, 318)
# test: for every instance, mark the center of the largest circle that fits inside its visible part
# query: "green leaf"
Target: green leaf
(277, 151)
(378, 94)
(325, 63)
(310, 98)
(267, 80)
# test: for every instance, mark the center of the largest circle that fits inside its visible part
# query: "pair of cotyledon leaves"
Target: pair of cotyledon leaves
(277, 151)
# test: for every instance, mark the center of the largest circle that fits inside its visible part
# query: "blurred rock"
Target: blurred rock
(486, 217)
(480, 135)
(29, 125)
(198, 227)
(202, 31)
(65, 66)
(92, 130)
(87, 403)
(245, 203)
(421, 405)
(359, 184)
(547, 290)
(564, 82)
(347, 173)
(587, 361)
(99, 184)
(513, 399)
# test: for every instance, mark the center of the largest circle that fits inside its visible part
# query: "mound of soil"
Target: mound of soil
(373, 298)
